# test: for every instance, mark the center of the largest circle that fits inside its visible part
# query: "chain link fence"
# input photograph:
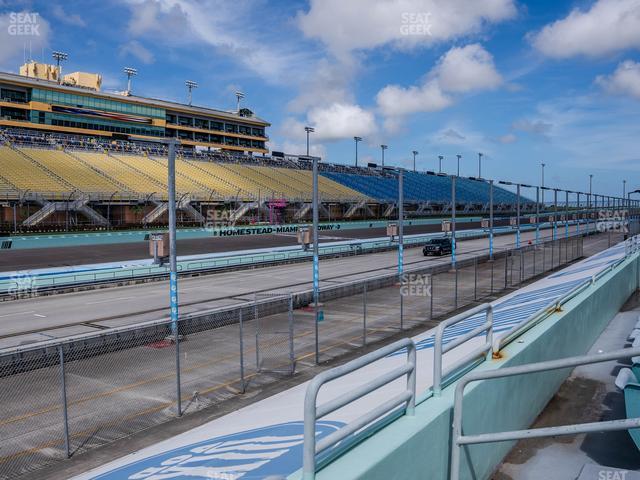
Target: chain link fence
(63, 397)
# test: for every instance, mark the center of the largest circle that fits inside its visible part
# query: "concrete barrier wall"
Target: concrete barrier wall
(419, 447)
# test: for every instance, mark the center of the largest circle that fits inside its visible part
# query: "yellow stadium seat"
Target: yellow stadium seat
(25, 174)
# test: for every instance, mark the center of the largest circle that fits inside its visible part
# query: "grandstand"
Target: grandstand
(40, 168)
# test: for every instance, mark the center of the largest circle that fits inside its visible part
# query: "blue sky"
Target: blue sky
(522, 82)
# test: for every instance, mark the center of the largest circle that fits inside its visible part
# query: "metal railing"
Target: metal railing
(459, 439)
(313, 412)
(439, 349)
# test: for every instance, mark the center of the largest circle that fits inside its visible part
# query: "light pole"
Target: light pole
(566, 213)
(383, 148)
(59, 57)
(240, 96)
(624, 189)
(459, 157)
(316, 266)
(542, 183)
(440, 158)
(356, 140)
(130, 72)
(453, 221)
(415, 152)
(480, 165)
(400, 223)
(518, 187)
(537, 215)
(190, 86)
(308, 130)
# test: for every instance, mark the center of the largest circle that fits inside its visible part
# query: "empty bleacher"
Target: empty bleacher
(25, 174)
(421, 187)
(73, 171)
(121, 172)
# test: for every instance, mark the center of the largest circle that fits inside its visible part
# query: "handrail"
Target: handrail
(439, 349)
(313, 412)
(458, 439)
(556, 304)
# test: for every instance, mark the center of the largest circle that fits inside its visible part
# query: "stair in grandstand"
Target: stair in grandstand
(122, 187)
(78, 204)
(183, 204)
(180, 174)
(210, 172)
(256, 189)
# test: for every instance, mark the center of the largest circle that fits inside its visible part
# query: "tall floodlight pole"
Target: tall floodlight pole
(566, 213)
(589, 205)
(518, 219)
(173, 264)
(239, 97)
(542, 183)
(480, 165)
(578, 210)
(308, 130)
(316, 266)
(130, 72)
(400, 223)
(382, 149)
(190, 86)
(537, 215)
(440, 158)
(490, 219)
(555, 213)
(459, 157)
(356, 140)
(59, 57)
(415, 152)
(453, 221)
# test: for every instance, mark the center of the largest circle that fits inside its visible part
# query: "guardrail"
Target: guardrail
(439, 349)
(313, 412)
(458, 439)
(25, 284)
(631, 246)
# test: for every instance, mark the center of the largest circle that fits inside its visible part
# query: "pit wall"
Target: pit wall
(20, 242)
(419, 447)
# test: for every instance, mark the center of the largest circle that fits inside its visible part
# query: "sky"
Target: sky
(523, 83)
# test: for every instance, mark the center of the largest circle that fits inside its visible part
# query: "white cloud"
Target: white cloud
(347, 26)
(225, 26)
(609, 26)
(326, 83)
(466, 69)
(625, 80)
(537, 127)
(394, 100)
(137, 50)
(460, 70)
(507, 138)
(339, 121)
(69, 18)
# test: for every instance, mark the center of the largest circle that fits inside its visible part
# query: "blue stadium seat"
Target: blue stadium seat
(422, 187)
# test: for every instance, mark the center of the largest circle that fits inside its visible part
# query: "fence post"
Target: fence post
(178, 392)
(401, 303)
(456, 288)
(364, 315)
(506, 269)
(241, 323)
(291, 351)
(63, 393)
(257, 320)
(492, 262)
(432, 285)
(475, 278)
